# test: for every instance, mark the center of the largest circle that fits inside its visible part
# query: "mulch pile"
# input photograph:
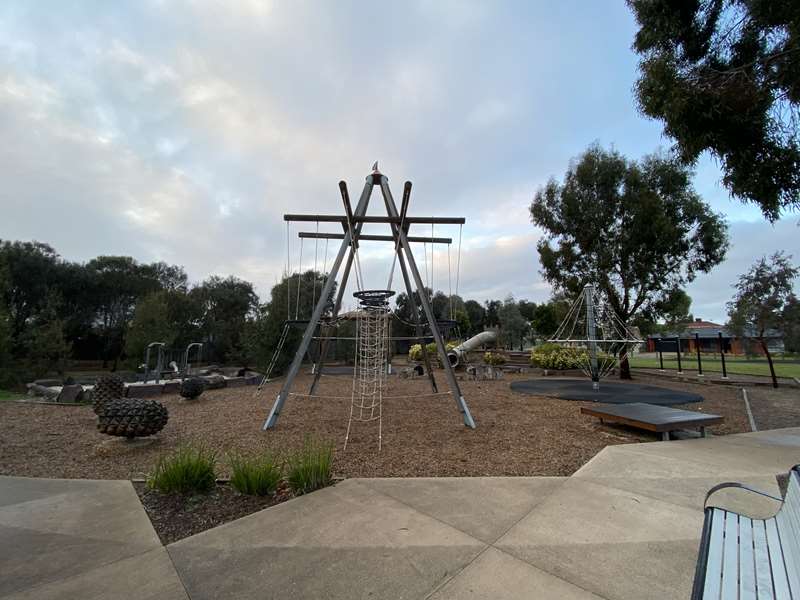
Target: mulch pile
(423, 435)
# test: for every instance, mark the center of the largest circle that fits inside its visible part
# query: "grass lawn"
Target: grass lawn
(739, 366)
(6, 395)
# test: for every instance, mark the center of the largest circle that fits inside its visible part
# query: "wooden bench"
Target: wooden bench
(744, 558)
(651, 417)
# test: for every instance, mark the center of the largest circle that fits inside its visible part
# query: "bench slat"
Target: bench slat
(776, 561)
(714, 565)
(730, 557)
(747, 575)
(763, 568)
(788, 522)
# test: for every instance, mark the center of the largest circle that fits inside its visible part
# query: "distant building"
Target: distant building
(707, 335)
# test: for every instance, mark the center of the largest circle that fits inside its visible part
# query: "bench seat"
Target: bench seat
(744, 558)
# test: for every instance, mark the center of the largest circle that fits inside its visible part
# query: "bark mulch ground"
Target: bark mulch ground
(775, 408)
(423, 435)
(176, 516)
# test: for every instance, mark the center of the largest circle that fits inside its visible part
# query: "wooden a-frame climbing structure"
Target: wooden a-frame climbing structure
(352, 222)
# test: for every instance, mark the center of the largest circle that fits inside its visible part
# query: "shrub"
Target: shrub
(415, 352)
(310, 468)
(494, 358)
(553, 356)
(189, 469)
(257, 476)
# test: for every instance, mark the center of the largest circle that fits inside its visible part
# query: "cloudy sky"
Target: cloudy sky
(182, 131)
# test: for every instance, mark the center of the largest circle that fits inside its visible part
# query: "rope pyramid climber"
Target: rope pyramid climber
(592, 326)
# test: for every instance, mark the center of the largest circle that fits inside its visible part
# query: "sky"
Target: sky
(182, 131)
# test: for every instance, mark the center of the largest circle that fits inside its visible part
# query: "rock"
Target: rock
(70, 393)
(214, 382)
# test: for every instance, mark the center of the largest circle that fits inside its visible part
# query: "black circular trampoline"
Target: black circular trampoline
(609, 392)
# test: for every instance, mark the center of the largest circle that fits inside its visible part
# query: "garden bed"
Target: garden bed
(176, 516)
(423, 435)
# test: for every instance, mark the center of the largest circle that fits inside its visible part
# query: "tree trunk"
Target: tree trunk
(769, 360)
(624, 366)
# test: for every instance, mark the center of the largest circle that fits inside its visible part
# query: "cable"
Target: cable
(299, 272)
(314, 288)
(458, 263)
(450, 282)
(288, 275)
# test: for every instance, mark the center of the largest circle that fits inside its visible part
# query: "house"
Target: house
(711, 337)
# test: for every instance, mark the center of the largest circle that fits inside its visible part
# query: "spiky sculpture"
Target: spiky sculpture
(192, 387)
(106, 389)
(132, 417)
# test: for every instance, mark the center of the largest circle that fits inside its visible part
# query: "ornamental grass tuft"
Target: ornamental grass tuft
(310, 467)
(189, 469)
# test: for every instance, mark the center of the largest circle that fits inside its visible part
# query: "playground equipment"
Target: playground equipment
(593, 326)
(159, 361)
(458, 354)
(371, 333)
(185, 366)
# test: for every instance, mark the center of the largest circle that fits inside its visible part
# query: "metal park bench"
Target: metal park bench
(743, 558)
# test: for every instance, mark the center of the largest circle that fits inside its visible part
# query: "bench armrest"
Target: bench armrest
(733, 484)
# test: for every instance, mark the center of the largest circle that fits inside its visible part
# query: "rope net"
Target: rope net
(596, 333)
(371, 360)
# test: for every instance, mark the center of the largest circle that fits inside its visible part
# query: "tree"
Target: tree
(264, 330)
(151, 323)
(477, 315)
(636, 230)
(47, 349)
(724, 77)
(548, 316)
(492, 313)
(762, 295)
(513, 325)
(225, 305)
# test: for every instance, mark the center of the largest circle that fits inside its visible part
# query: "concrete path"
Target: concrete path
(626, 525)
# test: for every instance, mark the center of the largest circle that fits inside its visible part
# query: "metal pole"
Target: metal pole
(294, 368)
(722, 356)
(697, 349)
(678, 342)
(591, 333)
(426, 306)
(660, 355)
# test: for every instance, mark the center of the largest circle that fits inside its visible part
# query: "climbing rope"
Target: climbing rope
(299, 274)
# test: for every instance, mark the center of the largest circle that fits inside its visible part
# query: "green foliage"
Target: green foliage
(723, 77)
(513, 326)
(637, 230)
(188, 470)
(415, 352)
(47, 350)
(310, 468)
(791, 325)
(556, 357)
(255, 476)
(150, 323)
(494, 358)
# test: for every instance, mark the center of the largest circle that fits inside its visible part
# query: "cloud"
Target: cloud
(183, 131)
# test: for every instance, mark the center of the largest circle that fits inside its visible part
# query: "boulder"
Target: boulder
(71, 393)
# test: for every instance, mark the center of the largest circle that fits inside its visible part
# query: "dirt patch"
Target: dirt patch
(176, 516)
(423, 435)
(775, 408)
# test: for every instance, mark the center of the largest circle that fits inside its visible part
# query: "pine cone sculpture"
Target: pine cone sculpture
(192, 387)
(132, 417)
(106, 389)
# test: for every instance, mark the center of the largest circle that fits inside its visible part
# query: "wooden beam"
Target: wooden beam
(373, 238)
(374, 219)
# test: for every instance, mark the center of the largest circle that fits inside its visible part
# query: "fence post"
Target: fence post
(678, 342)
(722, 356)
(697, 349)
(660, 355)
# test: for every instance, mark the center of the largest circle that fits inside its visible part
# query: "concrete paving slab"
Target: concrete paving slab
(148, 576)
(495, 575)
(347, 541)
(619, 571)
(754, 457)
(691, 492)
(580, 512)
(53, 529)
(103, 510)
(625, 461)
(483, 507)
